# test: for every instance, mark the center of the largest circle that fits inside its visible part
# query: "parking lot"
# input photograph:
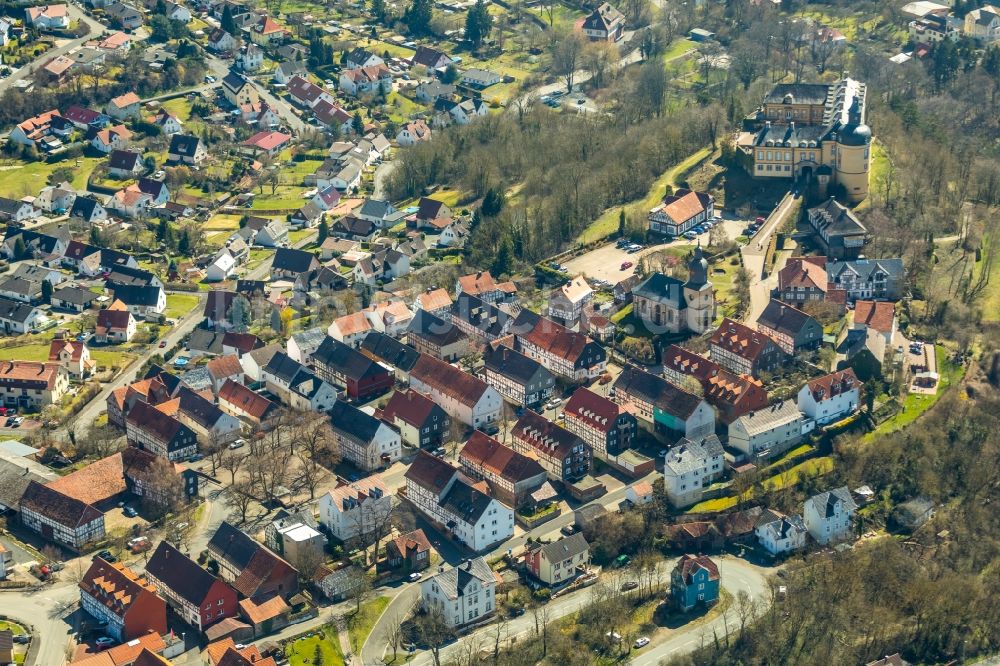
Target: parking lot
(608, 262)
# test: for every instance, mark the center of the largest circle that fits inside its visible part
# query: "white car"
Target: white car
(415, 576)
(642, 641)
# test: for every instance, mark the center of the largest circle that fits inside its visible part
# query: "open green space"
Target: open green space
(361, 623)
(40, 352)
(322, 645)
(178, 305)
(18, 179)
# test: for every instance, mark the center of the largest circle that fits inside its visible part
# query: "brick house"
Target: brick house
(126, 602)
(198, 597)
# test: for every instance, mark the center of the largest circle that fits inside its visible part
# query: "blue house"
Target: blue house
(695, 580)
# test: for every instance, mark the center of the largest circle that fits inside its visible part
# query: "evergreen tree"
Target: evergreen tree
(378, 9)
(358, 124)
(227, 22)
(46, 291)
(493, 202)
(184, 244)
(621, 222)
(503, 262)
(95, 237)
(161, 8)
(418, 17)
(450, 74)
(324, 231)
(20, 249)
(239, 314)
(478, 24)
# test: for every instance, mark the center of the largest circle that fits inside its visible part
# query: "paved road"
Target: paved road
(86, 416)
(46, 611)
(75, 13)
(737, 575)
(220, 68)
(753, 259)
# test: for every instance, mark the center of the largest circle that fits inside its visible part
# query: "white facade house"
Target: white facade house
(448, 498)
(828, 516)
(830, 398)
(462, 396)
(464, 594)
(689, 467)
(769, 431)
(364, 441)
(356, 508)
(780, 534)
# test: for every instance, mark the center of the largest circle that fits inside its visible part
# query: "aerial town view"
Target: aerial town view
(506, 332)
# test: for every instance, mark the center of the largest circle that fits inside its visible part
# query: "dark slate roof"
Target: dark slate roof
(486, 317)
(865, 268)
(510, 363)
(233, 80)
(184, 145)
(465, 501)
(787, 134)
(15, 310)
(434, 329)
(233, 545)
(657, 391)
(75, 295)
(128, 275)
(10, 206)
(134, 294)
(836, 219)
(179, 573)
(662, 288)
(199, 409)
(389, 350)
(295, 261)
(783, 318)
(376, 208)
(351, 420)
(283, 366)
(802, 93)
(123, 159)
(84, 207)
(345, 360)
(206, 341)
(430, 472)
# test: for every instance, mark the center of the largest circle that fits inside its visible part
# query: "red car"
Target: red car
(626, 265)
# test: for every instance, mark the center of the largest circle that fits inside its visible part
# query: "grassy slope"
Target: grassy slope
(360, 625)
(607, 223)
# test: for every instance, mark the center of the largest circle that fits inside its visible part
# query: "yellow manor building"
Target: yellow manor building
(811, 132)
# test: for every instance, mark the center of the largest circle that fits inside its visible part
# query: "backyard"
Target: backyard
(316, 647)
(179, 305)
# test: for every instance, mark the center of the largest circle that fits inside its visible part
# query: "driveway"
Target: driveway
(754, 254)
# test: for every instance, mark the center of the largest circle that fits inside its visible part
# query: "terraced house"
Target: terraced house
(573, 356)
(363, 440)
(563, 455)
(510, 475)
(464, 397)
(125, 602)
(198, 597)
(604, 425)
(661, 406)
(742, 350)
(519, 379)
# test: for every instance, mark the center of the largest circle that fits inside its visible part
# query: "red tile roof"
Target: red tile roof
(245, 400)
(97, 482)
(594, 411)
(878, 315)
(803, 272)
(689, 564)
(117, 587)
(484, 451)
(448, 379)
(833, 384)
(410, 406)
(740, 339)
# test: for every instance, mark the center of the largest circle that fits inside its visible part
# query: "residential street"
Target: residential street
(76, 14)
(45, 611)
(219, 68)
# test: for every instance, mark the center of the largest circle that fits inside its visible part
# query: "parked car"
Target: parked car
(107, 556)
(238, 444)
(104, 642)
(626, 265)
(23, 639)
(629, 585)
(195, 458)
(415, 576)
(642, 641)
(568, 530)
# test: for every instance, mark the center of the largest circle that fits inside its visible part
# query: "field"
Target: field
(178, 305)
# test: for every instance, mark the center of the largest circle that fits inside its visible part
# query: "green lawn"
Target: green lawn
(304, 652)
(15, 629)
(19, 179)
(815, 466)
(916, 404)
(712, 505)
(25, 353)
(179, 305)
(361, 624)
(607, 223)
(678, 49)
(297, 235)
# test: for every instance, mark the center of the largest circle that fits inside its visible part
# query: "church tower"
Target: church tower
(699, 294)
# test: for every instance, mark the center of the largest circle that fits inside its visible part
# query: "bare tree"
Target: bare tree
(359, 586)
(433, 630)
(240, 497)
(371, 523)
(232, 462)
(394, 634)
(541, 616)
(316, 449)
(566, 56)
(497, 634)
(164, 490)
(100, 441)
